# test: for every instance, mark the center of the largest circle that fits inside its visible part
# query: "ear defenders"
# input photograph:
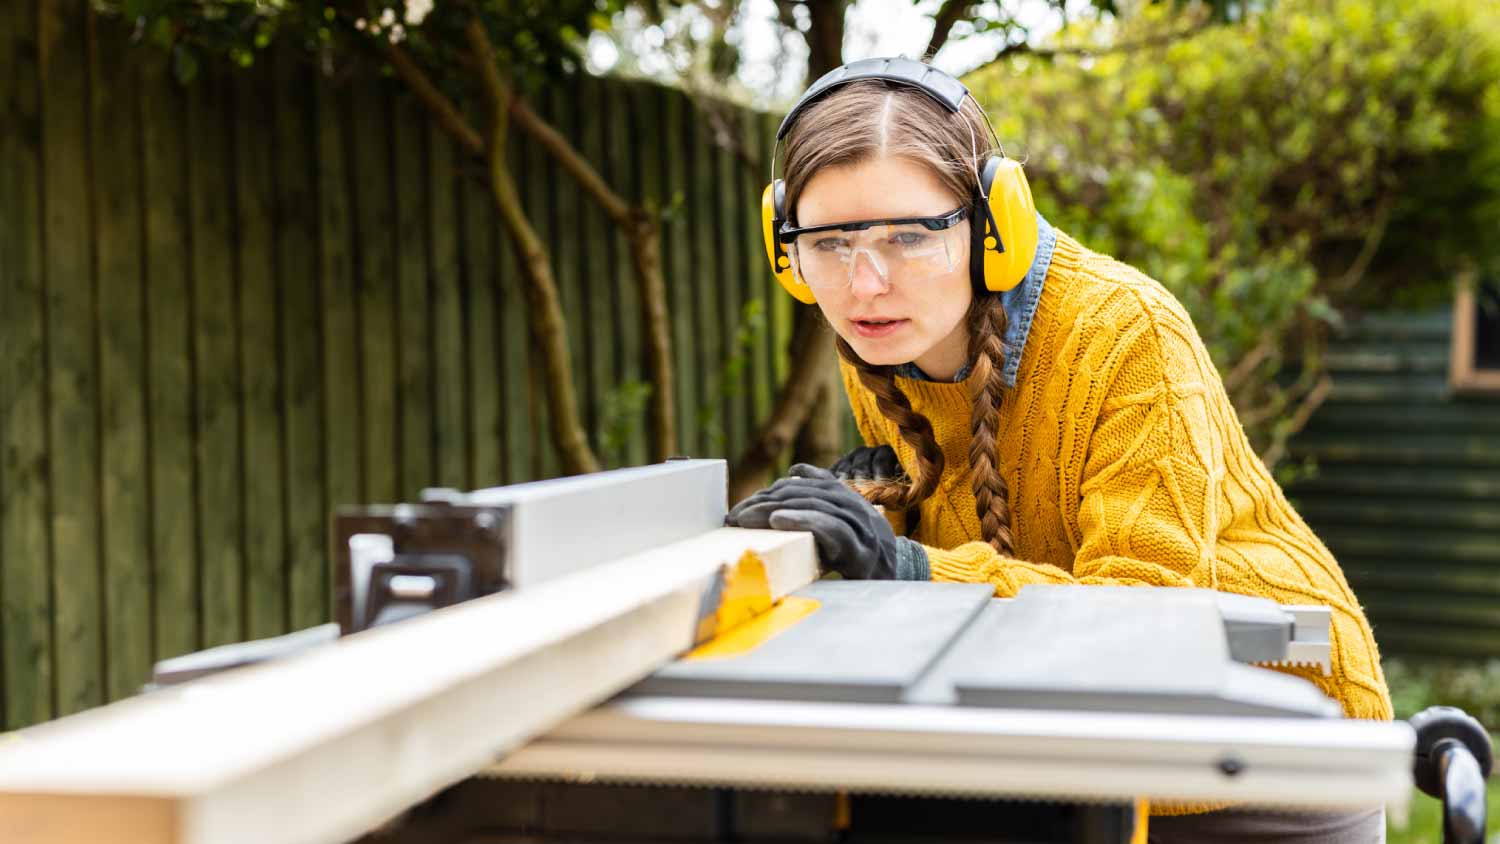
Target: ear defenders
(1003, 222)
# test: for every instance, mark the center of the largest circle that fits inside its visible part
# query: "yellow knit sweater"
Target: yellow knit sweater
(1126, 465)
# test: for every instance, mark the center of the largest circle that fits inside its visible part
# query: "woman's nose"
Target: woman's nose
(867, 278)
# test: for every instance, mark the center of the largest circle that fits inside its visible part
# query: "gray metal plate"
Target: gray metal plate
(1115, 649)
(868, 642)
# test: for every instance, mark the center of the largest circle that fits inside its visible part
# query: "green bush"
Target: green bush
(1277, 175)
(1472, 686)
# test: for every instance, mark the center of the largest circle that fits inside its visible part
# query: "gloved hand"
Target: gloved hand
(867, 464)
(853, 538)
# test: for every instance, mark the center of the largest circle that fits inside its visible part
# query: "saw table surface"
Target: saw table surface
(1063, 692)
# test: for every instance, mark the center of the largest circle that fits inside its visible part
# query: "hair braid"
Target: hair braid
(915, 429)
(991, 496)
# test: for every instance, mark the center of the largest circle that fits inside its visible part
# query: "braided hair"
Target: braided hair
(872, 119)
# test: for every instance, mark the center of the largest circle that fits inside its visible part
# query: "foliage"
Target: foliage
(1277, 175)
(1472, 686)
(620, 414)
(533, 40)
(729, 380)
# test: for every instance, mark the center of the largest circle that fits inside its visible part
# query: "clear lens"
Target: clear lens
(909, 253)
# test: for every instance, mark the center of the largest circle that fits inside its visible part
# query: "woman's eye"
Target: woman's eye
(830, 244)
(909, 239)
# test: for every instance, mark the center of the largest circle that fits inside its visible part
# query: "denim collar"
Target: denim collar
(1020, 307)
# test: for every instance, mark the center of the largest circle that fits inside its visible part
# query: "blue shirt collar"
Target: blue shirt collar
(1020, 307)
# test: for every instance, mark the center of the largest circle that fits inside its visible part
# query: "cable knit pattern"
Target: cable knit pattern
(1126, 465)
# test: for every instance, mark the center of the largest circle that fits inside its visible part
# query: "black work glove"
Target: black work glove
(868, 464)
(853, 538)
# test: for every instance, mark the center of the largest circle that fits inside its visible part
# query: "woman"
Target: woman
(1054, 413)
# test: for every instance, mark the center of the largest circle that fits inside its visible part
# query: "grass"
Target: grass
(1471, 685)
(1426, 821)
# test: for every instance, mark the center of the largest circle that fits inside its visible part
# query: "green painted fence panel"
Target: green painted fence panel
(1406, 487)
(235, 305)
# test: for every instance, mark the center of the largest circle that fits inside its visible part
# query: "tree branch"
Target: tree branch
(814, 355)
(577, 166)
(548, 328)
(1025, 48)
(447, 114)
(1247, 364)
(1373, 237)
(642, 237)
(1305, 409)
(942, 24)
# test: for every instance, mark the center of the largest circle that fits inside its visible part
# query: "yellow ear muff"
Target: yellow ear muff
(1014, 212)
(781, 263)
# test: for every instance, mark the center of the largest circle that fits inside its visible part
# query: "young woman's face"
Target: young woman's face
(887, 318)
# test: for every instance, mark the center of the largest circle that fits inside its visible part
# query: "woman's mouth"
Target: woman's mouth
(870, 328)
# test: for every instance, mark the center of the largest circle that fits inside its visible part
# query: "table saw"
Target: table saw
(598, 659)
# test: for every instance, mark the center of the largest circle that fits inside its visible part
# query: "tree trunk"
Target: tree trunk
(645, 250)
(812, 355)
(825, 36)
(549, 331)
(821, 441)
(821, 438)
(809, 399)
(643, 236)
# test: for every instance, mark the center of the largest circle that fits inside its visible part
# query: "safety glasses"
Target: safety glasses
(907, 249)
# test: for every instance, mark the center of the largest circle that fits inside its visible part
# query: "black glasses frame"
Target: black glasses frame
(936, 224)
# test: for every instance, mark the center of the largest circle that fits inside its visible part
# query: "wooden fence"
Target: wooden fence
(226, 309)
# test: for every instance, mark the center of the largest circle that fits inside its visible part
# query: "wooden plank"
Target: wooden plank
(596, 317)
(573, 223)
(646, 120)
(479, 312)
(1427, 640)
(26, 652)
(1410, 449)
(623, 175)
(676, 266)
(116, 130)
(1374, 419)
(414, 318)
(534, 181)
(701, 221)
(757, 270)
(517, 358)
(332, 715)
(781, 304)
(1377, 358)
(342, 432)
(1440, 608)
(1446, 518)
(730, 278)
(1427, 573)
(265, 527)
(301, 342)
(1429, 326)
(71, 358)
(372, 198)
(1363, 541)
(1355, 480)
(449, 362)
(174, 513)
(218, 393)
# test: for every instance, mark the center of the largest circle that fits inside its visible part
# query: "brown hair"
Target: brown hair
(870, 119)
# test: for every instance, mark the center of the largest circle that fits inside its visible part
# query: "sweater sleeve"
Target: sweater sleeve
(1150, 484)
